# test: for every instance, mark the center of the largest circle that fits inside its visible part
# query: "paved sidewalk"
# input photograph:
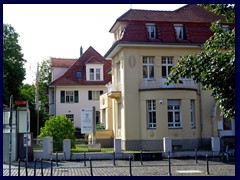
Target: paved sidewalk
(179, 167)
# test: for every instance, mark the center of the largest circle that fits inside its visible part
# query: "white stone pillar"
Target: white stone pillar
(117, 146)
(47, 147)
(167, 144)
(67, 148)
(215, 142)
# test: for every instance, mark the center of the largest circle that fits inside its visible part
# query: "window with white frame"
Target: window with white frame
(151, 114)
(148, 67)
(174, 114)
(151, 29)
(94, 95)
(70, 116)
(69, 97)
(94, 72)
(192, 104)
(179, 31)
(167, 64)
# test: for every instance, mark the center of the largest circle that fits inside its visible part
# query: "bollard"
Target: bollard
(207, 165)
(114, 159)
(196, 156)
(169, 166)
(141, 157)
(57, 159)
(84, 156)
(34, 172)
(64, 155)
(51, 167)
(26, 167)
(19, 166)
(91, 166)
(41, 168)
(130, 166)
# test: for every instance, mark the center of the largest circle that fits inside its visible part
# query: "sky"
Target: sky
(59, 30)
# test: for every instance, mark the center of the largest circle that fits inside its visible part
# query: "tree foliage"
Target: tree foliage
(43, 82)
(13, 63)
(27, 93)
(226, 10)
(59, 128)
(214, 68)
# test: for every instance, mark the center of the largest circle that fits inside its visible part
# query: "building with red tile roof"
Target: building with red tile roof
(142, 108)
(78, 83)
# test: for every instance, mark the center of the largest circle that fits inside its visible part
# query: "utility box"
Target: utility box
(22, 145)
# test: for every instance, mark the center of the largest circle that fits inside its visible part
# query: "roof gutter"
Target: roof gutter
(118, 45)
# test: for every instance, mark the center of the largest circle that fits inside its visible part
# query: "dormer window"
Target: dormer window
(151, 30)
(94, 72)
(179, 31)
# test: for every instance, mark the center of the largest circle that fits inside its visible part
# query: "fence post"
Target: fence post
(91, 166)
(41, 167)
(196, 156)
(26, 167)
(19, 166)
(207, 165)
(141, 157)
(114, 158)
(169, 166)
(84, 156)
(51, 167)
(57, 159)
(130, 166)
(34, 173)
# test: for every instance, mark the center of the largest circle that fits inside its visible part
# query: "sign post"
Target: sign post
(10, 137)
(94, 125)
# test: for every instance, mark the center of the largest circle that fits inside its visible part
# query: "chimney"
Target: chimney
(81, 50)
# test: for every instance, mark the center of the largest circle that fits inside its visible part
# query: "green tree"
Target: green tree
(214, 67)
(13, 63)
(59, 128)
(27, 93)
(226, 10)
(43, 82)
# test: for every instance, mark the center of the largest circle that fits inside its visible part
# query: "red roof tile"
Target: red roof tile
(188, 13)
(70, 78)
(196, 21)
(61, 62)
(93, 60)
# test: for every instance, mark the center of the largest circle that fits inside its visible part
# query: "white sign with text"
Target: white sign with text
(86, 121)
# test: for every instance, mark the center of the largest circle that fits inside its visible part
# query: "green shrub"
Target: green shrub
(59, 128)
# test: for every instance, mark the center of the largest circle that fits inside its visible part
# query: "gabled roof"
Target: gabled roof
(93, 60)
(70, 78)
(62, 62)
(188, 13)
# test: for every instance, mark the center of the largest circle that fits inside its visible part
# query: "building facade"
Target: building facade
(139, 106)
(77, 84)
